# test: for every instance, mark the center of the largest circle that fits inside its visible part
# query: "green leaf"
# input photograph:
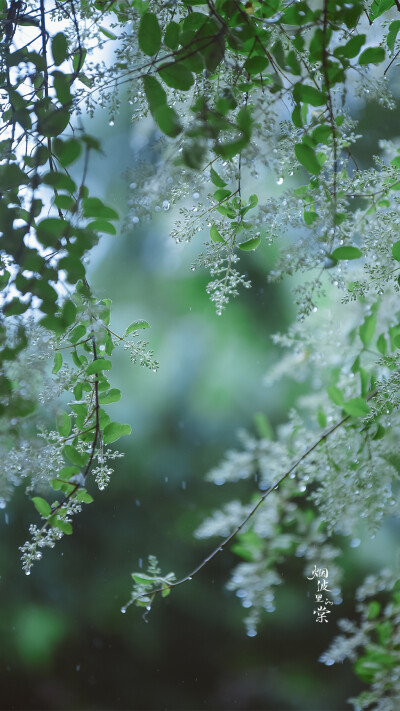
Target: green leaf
(215, 235)
(351, 48)
(155, 94)
(263, 427)
(59, 181)
(307, 157)
(149, 34)
(4, 279)
(221, 194)
(177, 76)
(335, 395)
(74, 456)
(59, 48)
(83, 496)
(171, 36)
(346, 253)
(215, 178)
(250, 245)
(57, 362)
(78, 59)
(68, 313)
(256, 65)
(98, 365)
(310, 216)
(381, 344)
(357, 407)
(374, 609)
(372, 55)
(309, 95)
(396, 251)
(394, 28)
(53, 122)
(64, 526)
(66, 151)
(93, 207)
(64, 424)
(41, 506)
(112, 395)
(136, 326)
(378, 7)
(114, 431)
(15, 307)
(11, 176)
(367, 330)
(143, 579)
(102, 226)
(50, 230)
(167, 120)
(77, 333)
(107, 33)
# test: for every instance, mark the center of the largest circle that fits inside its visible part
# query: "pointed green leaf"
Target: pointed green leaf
(396, 251)
(136, 325)
(308, 158)
(372, 55)
(335, 395)
(96, 366)
(149, 34)
(114, 431)
(57, 362)
(250, 244)
(64, 424)
(215, 235)
(112, 395)
(357, 407)
(41, 506)
(346, 253)
(216, 179)
(59, 48)
(177, 76)
(367, 329)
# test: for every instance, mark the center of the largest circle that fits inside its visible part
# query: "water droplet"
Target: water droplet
(123, 610)
(279, 181)
(135, 219)
(251, 632)
(27, 572)
(165, 205)
(111, 123)
(328, 662)
(355, 543)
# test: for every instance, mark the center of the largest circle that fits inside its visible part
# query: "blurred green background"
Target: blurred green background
(64, 643)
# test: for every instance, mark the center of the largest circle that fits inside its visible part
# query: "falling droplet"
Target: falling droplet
(355, 543)
(279, 181)
(111, 123)
(251, 632)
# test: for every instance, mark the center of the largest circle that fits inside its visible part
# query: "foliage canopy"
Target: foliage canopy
(239, 91)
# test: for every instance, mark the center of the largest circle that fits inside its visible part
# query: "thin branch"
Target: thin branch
(231, 536)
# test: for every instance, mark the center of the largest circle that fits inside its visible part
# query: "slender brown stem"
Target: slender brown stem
(231, 536)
